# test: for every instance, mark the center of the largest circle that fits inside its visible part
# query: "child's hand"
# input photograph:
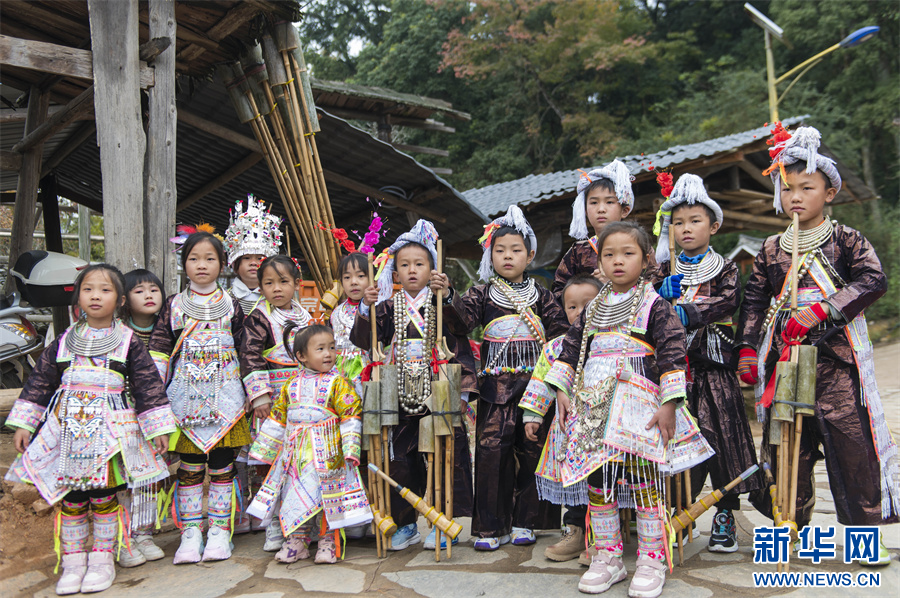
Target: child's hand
(599, 275)
(531, 429)
(671, 287)
(262, 412)
(665, 419)
(161, 444)
(352, 461)
(439, 282)
(21, 439)
(563, 406)
(370, 296)
(747, 366)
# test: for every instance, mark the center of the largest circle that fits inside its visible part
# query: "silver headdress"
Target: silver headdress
(254, 231)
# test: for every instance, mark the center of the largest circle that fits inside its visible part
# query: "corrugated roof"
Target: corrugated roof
(343, 149)
(365, 98)
(534, 188)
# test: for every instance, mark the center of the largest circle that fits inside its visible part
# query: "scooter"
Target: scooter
(43, 279)
(18, 339)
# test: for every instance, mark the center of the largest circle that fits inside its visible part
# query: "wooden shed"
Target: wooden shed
(121, 114)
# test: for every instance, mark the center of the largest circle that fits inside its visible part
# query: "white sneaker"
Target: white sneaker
(274, 539)
(101, 572)
(521, 536)
(74, 567)
(489, 544)
(605, 570)
(147, 547)
(132, 558)
(191, 548)
(648, 580)
(218, 545)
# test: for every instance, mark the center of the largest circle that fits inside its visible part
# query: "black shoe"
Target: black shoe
(723, 537)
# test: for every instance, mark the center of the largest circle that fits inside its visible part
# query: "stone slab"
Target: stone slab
(462, 556)
(336, 579)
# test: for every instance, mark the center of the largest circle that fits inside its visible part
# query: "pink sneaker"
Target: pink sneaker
(605, 571)
(74, 567)
(101, 572)
(294, 549)
(649, 579)
(327, 551)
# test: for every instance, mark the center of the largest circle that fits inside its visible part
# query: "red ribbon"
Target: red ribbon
(769, 394)
(435, 362)
(366, 374)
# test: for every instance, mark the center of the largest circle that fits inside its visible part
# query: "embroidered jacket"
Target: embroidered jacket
(313, 428)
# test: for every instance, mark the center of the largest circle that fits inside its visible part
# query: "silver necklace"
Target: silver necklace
(807, 240)
(205, 312)
(513, 296)
(604, 315)
(695, 274)
(78, 343)
(413, 379)
(297, 315)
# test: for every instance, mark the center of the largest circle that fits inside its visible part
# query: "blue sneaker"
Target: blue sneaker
(429, 541)
(405, 536)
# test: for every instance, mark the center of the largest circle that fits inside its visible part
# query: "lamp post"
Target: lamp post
(770, 29)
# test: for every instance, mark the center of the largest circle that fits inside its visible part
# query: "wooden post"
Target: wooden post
(84, 233)
(120, 133)
(53, 238)
(29, 176)
(161, 188)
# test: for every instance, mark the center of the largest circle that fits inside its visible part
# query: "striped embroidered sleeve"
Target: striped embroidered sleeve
(349, 409)
(270, 438)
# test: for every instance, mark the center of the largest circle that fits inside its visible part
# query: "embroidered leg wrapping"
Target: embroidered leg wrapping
(106, 523)
(189, 505)
(73, 527)
(605, 526)
(221, 497)
(651, 535)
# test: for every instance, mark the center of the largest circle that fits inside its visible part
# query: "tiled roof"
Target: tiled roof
(494, 199)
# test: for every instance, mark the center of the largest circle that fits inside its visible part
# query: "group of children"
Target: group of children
(639, 364)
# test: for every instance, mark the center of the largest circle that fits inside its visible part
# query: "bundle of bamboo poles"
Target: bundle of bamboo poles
(270, 90)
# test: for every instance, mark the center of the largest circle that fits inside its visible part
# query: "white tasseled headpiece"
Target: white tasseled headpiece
(688, 189)
(803, 145)
(422, 233)
(621, 178)
(513, 218)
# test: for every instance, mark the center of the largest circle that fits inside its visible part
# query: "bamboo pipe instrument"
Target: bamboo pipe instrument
(678, 476)
(683, 519)
(795, 357)
(435, 517)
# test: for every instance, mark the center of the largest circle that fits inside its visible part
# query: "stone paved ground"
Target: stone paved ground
(508, 572)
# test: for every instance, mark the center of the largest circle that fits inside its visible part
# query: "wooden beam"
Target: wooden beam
(233, 19)
(29, 179)
(86, 131)
(756, 175)
(11, 115)
(81, 105)
(400, 121)
(440, 171)
(160, 183)
(81, 199)
(388, 198)
(55, 59)
(419, 149)
(217, 130)
(755, 218)
(120, 132)
(10, 161)
(153, 48)
(224, 178)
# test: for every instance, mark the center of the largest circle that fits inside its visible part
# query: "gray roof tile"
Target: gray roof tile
(534, 188)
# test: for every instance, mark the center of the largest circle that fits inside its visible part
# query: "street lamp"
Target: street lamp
(771, 29)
